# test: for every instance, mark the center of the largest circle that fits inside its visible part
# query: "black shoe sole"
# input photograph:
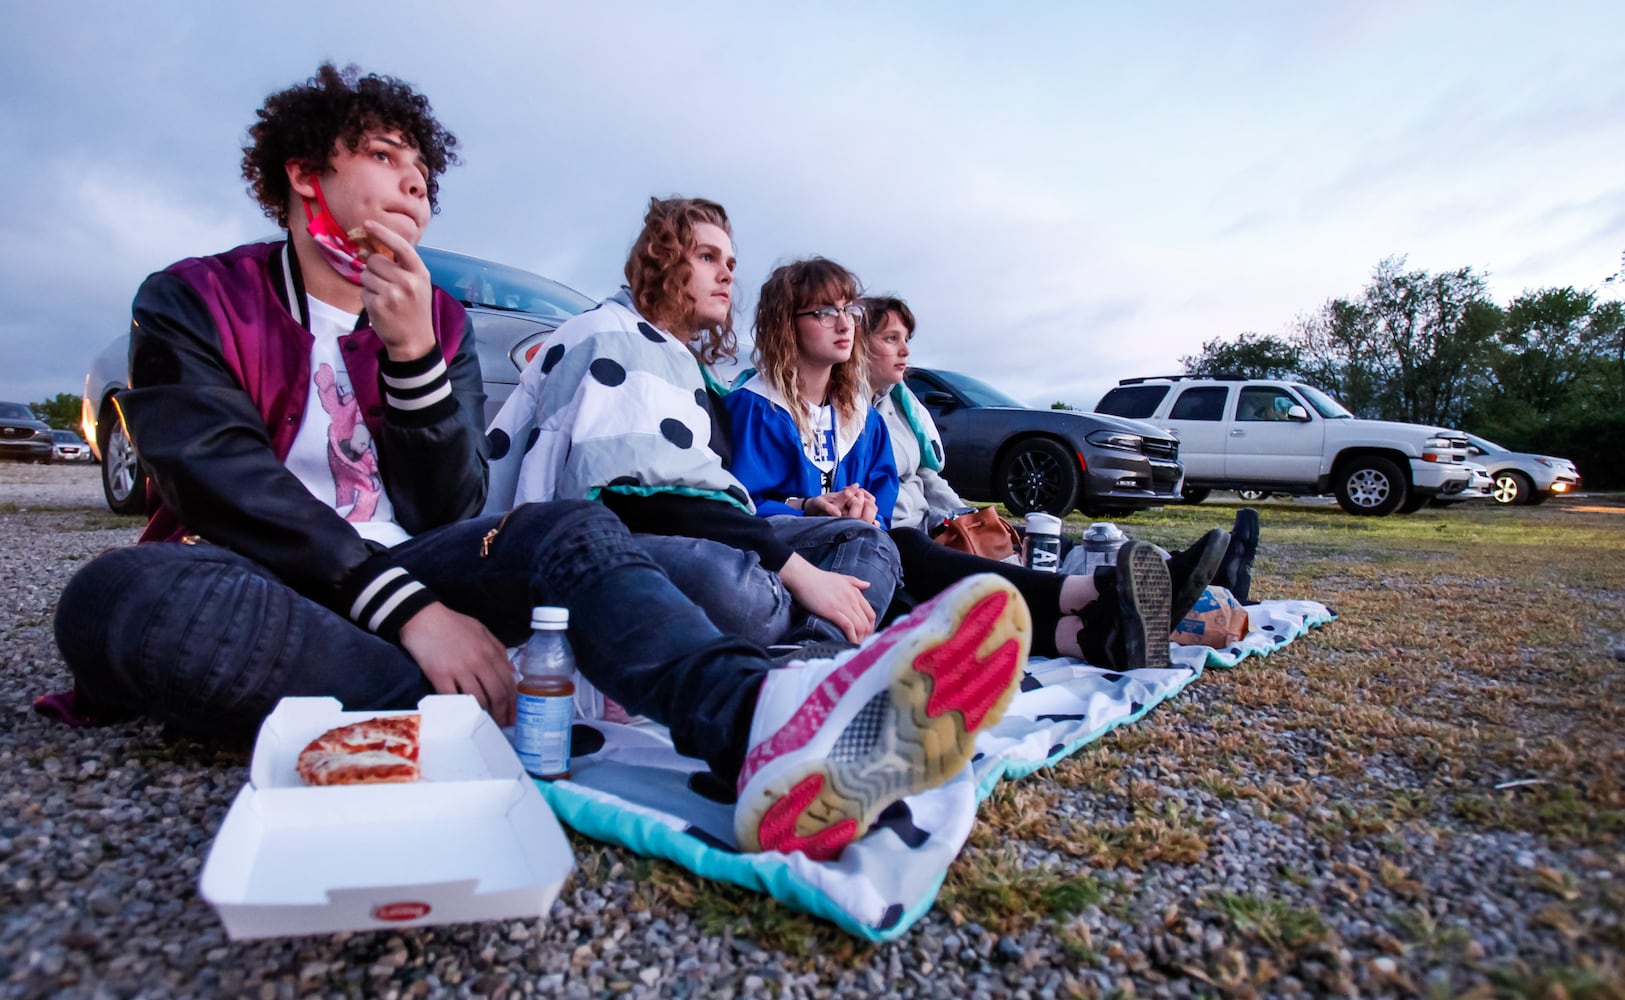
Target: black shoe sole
(1143, 592)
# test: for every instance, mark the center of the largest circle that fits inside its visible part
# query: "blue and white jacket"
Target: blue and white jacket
(769, 457)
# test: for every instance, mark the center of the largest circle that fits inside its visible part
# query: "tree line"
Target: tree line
(1544, 373)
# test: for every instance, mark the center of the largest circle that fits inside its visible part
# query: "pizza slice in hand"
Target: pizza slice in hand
(369, 752)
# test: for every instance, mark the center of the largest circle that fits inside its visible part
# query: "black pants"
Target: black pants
(929, 569)
(208, 641)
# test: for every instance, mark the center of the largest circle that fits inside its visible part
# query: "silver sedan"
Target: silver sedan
(1520, 477)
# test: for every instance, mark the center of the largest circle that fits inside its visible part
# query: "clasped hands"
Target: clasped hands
(852, 501)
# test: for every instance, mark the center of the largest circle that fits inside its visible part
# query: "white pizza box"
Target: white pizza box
(473, 840)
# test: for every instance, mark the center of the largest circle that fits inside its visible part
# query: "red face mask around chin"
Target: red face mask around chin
(336, 246)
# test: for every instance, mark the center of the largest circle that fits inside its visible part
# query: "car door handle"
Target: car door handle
(1237, 432)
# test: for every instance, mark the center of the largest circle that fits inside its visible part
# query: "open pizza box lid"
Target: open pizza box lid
(472, 840)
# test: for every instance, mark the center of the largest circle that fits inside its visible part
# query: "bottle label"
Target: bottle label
(542, 733)
(1043, 553)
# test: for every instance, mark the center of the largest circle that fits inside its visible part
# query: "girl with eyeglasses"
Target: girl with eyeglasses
(807, 443)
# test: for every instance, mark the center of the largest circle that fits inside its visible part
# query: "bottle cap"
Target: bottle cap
(1040, 523)
(549, 618)
(1104, 531)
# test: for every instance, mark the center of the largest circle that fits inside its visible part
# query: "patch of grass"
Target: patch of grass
(1559, 812)
(994, 889)
(1420, 928)
(1165, 833)
(1285, 929)
(1601, 980)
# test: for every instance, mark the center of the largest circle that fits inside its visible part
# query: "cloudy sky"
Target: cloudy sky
(1067, 193)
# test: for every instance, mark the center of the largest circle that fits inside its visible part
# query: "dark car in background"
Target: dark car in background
(512, 312)
(23, 436)
(999, 449)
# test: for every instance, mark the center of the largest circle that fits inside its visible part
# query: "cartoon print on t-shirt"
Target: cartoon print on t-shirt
(350, 453)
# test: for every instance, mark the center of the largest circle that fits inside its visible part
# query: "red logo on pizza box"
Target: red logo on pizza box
(404, 910)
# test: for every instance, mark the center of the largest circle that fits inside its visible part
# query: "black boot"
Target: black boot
(1193, 569)
(1236, 568)
(1127, 626)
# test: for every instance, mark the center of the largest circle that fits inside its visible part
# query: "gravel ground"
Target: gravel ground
(1129, 872)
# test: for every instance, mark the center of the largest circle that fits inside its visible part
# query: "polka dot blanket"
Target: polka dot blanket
(629, 787)
(628, 409)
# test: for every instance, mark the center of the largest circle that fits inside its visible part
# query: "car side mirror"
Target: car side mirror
(939, 401)
(1298, 413)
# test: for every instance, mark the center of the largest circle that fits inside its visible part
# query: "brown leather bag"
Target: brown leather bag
(983, 533)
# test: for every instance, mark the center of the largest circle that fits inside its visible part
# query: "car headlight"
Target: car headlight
(1116, 439)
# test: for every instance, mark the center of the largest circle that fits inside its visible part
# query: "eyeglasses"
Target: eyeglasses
(826, 315)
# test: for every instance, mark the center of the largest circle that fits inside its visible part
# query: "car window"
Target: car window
(979, 393)
(65, 437)
(1325, 405)
(1263, 402)
(919, 385)
(1137, 402)
(478, 282)
(15, 411)
(1204, 402)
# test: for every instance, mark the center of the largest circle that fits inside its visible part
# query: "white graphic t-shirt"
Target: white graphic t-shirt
(333, 453)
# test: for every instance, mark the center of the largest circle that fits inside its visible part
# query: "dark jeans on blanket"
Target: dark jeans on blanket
(929, 569)
(207, 641)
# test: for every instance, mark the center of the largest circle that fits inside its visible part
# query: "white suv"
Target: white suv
(1286, 437)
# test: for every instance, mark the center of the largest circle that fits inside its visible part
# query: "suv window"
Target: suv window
(1264, 403)
(1200, 403)
(1137, 402)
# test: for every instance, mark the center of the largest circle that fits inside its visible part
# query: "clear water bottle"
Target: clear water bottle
(1100, 544)
(546, 696)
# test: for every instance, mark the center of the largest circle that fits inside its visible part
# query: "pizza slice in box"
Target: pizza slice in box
(372, 751)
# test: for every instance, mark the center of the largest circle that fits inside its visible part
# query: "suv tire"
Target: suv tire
(1372, 487)
(1193, 494)
(1038, 474)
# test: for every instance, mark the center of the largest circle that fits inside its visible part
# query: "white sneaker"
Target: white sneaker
(835, 741)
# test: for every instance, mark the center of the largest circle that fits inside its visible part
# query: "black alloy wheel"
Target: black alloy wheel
(1039, 474)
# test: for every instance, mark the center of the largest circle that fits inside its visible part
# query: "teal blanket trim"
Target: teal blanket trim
(684, 491)
(601, 819)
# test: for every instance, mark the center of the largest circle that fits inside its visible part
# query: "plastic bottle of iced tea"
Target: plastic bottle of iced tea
(546, 696)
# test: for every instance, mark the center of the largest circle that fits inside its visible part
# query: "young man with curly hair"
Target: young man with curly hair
(310, 416)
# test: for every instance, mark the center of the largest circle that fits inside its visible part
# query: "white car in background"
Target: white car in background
(1520, 477)
(1480, 487)
(66, 446)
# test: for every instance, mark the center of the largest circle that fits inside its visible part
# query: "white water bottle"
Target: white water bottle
(546, 696)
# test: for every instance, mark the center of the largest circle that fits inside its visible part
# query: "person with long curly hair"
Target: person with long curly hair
(808, 444)
(622, 407)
